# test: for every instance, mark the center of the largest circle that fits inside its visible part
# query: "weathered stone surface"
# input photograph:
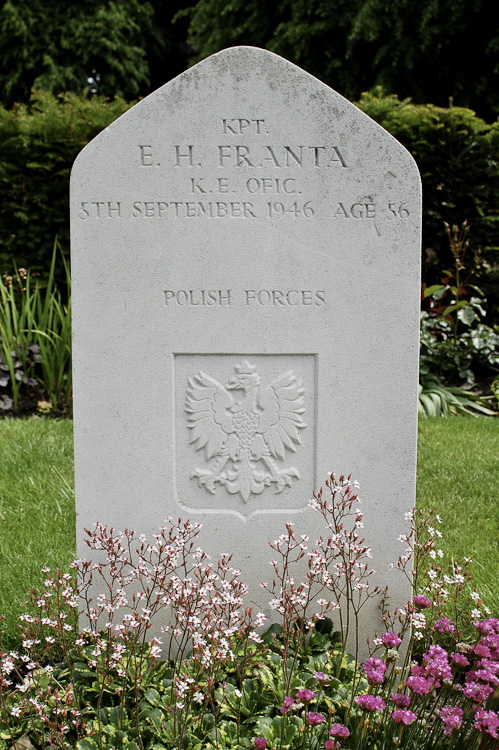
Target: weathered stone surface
(245, 260)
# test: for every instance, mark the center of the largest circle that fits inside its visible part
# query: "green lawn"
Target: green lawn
(458, 474)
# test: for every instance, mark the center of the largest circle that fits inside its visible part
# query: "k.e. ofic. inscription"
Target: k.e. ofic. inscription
(274, 193)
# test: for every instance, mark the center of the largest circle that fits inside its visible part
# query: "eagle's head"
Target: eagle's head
(246, 378)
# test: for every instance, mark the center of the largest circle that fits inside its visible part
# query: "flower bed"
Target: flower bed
(214, 680)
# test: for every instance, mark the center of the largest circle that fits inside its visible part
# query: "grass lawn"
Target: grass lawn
(458, 474)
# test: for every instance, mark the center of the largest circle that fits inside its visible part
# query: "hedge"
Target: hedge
(38, 145)
(457, 154)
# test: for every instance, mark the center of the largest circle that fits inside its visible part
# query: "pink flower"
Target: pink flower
(288, 703)
(370, 702)
(460, 660)
(436, 663)
(477, 692)
(487, 721)
(400, 716)
(444, 625)
(375, 670)
(305, 695)
(419, 685)
(339, 730)
(313, 719)
(490, 625)
(401, 700)
(260, 743)
(421, 602)
(390, 640)
(452, 717)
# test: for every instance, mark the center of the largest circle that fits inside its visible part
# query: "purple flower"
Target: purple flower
(370, 702)
(436, 663)
(305, 695)
(288, 702)
(330, 744)
(452, 717)
(477, 692)
(419, 685)
(260, 743)
(460, 660)
(485, 675)
(492, 643)
(313, 719)
(401, 700)
(339, 730)
(482, 650)
(421, 602)
(390, 640)
(490, 625)
(444, 625)
(375, 670)
(321, 677)
(487, 721)
(400, 716)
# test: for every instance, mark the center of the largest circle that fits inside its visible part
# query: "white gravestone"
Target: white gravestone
(245, 261)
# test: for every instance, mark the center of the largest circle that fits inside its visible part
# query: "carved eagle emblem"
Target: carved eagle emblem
(245, 429)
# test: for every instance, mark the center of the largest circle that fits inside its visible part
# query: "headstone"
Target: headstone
(245, 262)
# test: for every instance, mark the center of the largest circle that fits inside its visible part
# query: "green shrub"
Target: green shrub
(38, 144)
(458, 156)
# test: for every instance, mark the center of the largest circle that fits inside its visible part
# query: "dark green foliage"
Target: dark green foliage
(58, 46)
(430, 50)
(109, 47)
(37, 148)
(458, 156)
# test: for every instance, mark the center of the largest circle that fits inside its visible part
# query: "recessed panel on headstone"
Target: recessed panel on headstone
(245, 262)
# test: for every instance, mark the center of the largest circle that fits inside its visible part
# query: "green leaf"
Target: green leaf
(88, 743)
(428, 405)
(432, 291)
(467, 315)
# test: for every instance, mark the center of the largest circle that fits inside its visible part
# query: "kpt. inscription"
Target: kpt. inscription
(245, 428)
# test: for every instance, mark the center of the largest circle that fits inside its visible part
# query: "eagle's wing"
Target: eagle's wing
(281, 418)
(206, 404)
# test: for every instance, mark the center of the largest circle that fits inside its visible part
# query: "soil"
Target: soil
(32, 401)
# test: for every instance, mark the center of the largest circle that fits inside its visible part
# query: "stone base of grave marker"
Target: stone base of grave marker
(245, 262)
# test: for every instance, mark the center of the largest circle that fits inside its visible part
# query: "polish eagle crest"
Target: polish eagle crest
(245, 429)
